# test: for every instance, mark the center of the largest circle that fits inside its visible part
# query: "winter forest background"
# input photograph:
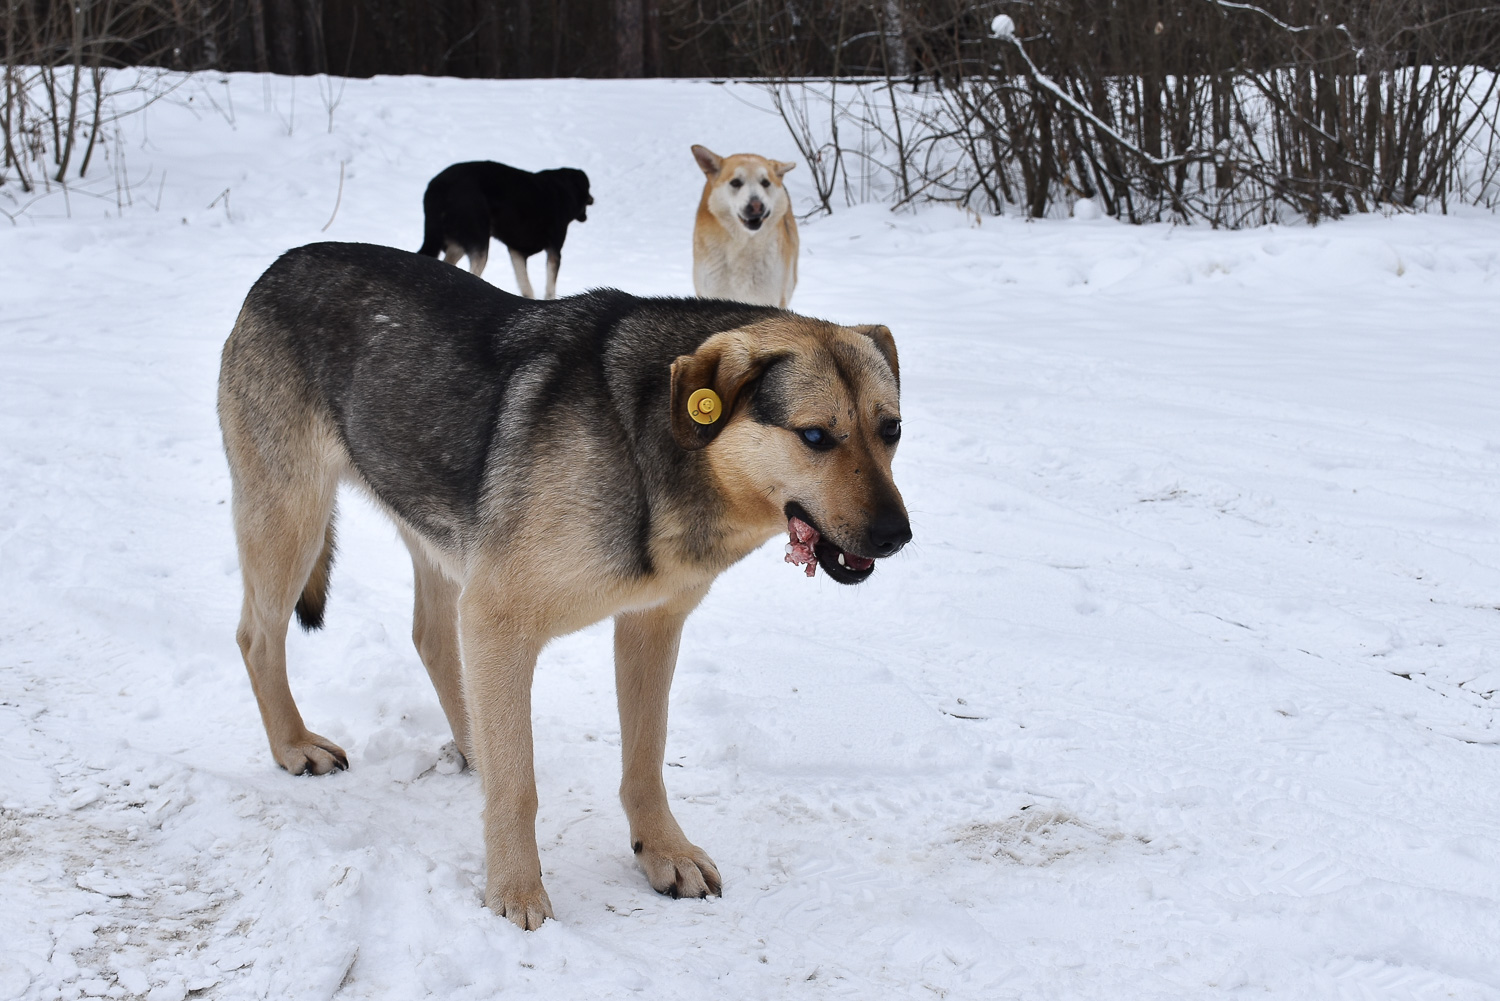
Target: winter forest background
(1198, 110)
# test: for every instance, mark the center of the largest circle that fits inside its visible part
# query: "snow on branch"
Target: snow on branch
(1051, 85)
(1263, 13)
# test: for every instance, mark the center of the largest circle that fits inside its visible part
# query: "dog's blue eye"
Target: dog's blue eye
(817, 438)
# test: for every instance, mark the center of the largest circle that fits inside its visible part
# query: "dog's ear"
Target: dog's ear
(782, 167)
(726, 363)
(885, 344)
(708, 161)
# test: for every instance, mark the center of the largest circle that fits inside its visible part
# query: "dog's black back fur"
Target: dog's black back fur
(441, 384)
(468, 203)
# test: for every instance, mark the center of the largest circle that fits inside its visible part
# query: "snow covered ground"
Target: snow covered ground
(1184, 690)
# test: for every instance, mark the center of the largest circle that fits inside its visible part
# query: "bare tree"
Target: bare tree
(630, 38)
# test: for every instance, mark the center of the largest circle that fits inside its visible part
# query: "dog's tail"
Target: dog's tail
(315, 591)
(432, 225)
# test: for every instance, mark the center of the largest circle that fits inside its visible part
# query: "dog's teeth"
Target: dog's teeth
(841, 560)
(790, 549)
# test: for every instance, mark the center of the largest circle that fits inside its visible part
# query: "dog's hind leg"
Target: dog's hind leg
(523, 281)
(554, 260)
(434, 629)
(645, 657)
(452, 253)
(283, 527)
(478, 258)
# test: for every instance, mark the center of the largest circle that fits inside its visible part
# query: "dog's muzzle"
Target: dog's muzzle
(754, 215)
(808, 547)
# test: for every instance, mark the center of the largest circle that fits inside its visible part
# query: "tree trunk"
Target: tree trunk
(524, 62)
(651, 45)
(898, 60)
(314, 51)
(629, 38)
(283, 18)
(258, 35)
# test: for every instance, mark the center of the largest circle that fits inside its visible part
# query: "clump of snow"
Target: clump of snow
(1184, 687)
(1003, 26)
(1087, 210)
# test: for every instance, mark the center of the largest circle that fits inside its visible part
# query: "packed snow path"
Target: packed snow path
(1185, 688)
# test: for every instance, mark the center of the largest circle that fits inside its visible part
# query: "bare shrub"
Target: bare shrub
(61, 97)
(1224, 112)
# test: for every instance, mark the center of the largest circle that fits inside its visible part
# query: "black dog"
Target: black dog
(470, 202)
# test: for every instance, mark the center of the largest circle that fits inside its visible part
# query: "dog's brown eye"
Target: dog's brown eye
(817, 438)
(736, 183)
(891, 431)
(765, 184)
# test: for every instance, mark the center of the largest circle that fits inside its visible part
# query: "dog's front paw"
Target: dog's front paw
(526, 906)
(685, 871)
(310, 754)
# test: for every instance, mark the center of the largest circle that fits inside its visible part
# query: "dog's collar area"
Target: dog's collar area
(807, 547)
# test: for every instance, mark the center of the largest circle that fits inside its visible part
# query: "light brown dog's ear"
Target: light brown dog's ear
(885, 344)
(708, 160)
(725, 363)
(783, 166)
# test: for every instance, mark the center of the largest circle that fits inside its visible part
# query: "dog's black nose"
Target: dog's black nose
(889, 532)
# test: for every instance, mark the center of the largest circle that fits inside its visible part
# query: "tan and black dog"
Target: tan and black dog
(548, 464)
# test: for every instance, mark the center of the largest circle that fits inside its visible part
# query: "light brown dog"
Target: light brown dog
(745, 237)
(549, 464)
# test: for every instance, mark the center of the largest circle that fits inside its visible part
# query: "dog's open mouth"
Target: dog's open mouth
(808, 547)
(752, 222)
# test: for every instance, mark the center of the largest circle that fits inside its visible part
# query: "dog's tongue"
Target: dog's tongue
(800, 549)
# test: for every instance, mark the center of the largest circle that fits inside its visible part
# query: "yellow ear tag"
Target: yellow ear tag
(704, 406)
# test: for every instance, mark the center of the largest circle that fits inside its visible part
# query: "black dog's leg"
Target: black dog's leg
(554, 260)
(478, 257)
(518, 261)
